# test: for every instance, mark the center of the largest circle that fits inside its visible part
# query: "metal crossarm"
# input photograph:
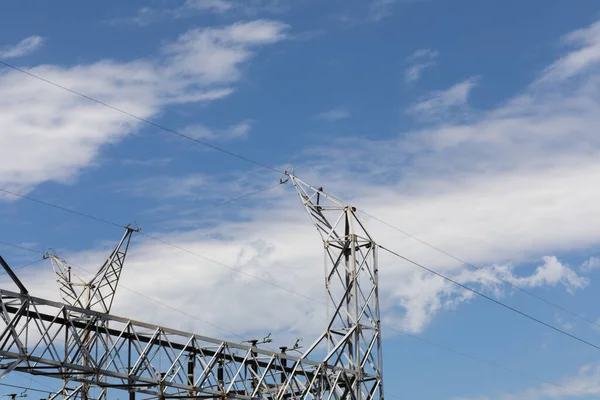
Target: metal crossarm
(47, 338)
(99, 292)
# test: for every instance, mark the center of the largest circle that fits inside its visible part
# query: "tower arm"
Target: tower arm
(104, 284)
(70, 292)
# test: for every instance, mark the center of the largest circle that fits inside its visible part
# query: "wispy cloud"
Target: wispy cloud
(551, 273)
(438, 104)
(232, 132)
(380, 9)
(591, 264)
(152, 162)
(208, 5)
(584, 384)
(419, 60)
(148, 15)
(190, 8)
(334, 114)
(23, 48)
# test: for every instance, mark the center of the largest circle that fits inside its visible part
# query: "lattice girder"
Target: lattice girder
(56, 340)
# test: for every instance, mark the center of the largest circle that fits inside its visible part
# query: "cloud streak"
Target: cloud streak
(23, 48)
(335, 114)
(420, 60)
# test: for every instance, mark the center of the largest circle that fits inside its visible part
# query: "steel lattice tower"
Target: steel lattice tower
(353, 336)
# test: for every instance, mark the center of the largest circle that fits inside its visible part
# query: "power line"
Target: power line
(25, 265)
(499, 279)
(62, 208)
(287, 289)
(144, 120)
(174, 245)
(33, 380)
(539, 321)
(105, 221)
(166, 305)
(26, 388)
(232, 268)
(124, 287)
(275, 284)
(480, 360)
(16, 246)
(166, 129)
(483, 361)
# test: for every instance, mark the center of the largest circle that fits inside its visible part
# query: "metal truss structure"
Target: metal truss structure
(353, 335)
(98, 293)
(91, 347)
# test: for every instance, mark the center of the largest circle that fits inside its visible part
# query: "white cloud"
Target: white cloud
(152, 162)
(23, 48)
(211, 5)
(591, 264)
(201, 65)
(551, 273)
(577, 61)
(334, 114)
(214, 54)
(586, 383)
(167, 187)
(437, 104)
(379, 9)
(240, 130)
(190, 8)
(566, 325)
(420, 60)
(421, 54)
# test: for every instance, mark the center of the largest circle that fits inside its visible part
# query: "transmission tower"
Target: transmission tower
(73, 342)
(353, 335)
(97, 294)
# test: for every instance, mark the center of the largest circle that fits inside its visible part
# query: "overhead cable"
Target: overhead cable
(141, 119)
(413, 336)
(491, 299)
(483, 270)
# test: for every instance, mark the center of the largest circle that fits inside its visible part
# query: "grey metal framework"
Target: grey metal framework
(353, 335)
(96, 294)
(78, 344)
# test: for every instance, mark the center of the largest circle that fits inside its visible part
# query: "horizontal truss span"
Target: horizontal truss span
(48, 338)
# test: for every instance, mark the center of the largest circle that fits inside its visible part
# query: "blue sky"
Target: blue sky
(472, 125)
